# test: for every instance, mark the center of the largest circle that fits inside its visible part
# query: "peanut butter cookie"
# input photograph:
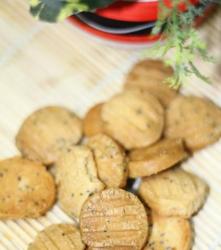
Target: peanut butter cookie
(134, 118)
(156, 158)
(174, 193)
(47, 133)
(196, 120)
(58, 237)
(77, 179)
(92, 122)
(27, 189)
(169, 233)
(151, 75)
(110, 159)
(114, 219)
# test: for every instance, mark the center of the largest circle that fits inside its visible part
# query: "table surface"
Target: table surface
(45, 64)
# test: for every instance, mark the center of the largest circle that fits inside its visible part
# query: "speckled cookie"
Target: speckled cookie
(169, 233)
(110, 248)
(77, 179)
(113, 219)
(58, 237)
(47, 133)
(27, 189)
(110, 160)
(156, 158)
(134, 118)
(196, 120)
(92, 122)
(174, 192)
(151, 75)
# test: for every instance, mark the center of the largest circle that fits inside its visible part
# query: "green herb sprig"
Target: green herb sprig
(182, 39)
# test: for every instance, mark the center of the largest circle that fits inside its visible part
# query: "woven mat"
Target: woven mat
(42, 64)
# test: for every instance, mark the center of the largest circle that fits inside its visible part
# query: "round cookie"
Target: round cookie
(169, 233)
(156, 158)
(114, 219)
(174, 193)
(47, 132)
(58, 237)
(134, 118)
(27, 189)
(110, 248)
(92, 123)
(196, 120)
(77, 179)
(151, 75)
(110, 160)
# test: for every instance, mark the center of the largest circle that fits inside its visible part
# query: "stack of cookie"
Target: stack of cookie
(142, 133)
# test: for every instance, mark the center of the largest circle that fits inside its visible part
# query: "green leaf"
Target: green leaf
(158, 27)
(198, 74)
(57, 10)
(183, 40)
(93, 4)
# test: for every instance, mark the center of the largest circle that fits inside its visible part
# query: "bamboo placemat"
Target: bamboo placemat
(42, 64)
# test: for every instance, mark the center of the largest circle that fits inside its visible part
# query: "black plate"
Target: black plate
(117, 27)
(113, 26)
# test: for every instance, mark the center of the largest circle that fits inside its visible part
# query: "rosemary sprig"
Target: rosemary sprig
(183, 39)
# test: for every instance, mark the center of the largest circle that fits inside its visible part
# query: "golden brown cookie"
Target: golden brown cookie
(58, 237)
(27, 189)
(77, 179)
(92, 122)
(134, 118)
(174, 192)
(151, 75)
(114, 219)
(156, 158)
(47, 133)
(196, 120)
(169, 233)
(110, 248)
(110, 159)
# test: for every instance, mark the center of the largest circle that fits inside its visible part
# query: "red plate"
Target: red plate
(130, 39)
(135, 11)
